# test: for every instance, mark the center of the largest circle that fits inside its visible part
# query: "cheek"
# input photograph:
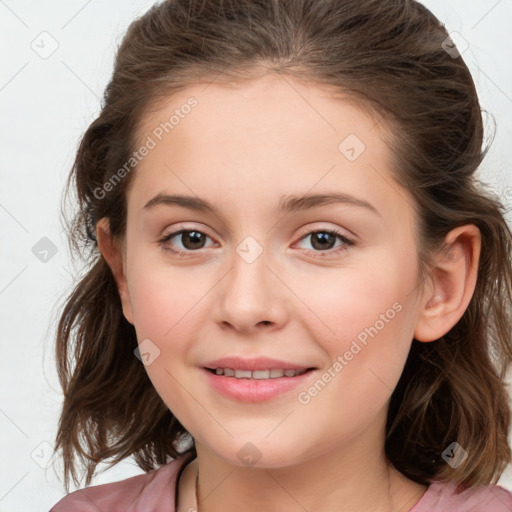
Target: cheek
(364, 319)
(345, 303)
(162, 312)
(160, 296)
(168, 304)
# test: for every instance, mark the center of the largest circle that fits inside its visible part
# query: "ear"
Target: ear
(113, 253)
(453, 279)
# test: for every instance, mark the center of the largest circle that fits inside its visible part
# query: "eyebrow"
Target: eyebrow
(286, 205)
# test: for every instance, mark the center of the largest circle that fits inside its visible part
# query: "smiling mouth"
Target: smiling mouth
(273, 373)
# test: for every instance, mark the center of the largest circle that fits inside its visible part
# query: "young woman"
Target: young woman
(292, 264)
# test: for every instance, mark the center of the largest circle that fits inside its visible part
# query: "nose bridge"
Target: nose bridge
(249, 295)
(250, 277)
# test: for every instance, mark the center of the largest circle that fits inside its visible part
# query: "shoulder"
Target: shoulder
(442, 497)
(148, 492)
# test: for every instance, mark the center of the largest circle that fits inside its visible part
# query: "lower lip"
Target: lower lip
(254, 390)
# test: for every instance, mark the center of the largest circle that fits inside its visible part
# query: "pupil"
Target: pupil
(192, 237)
(323, 238)
(320, 240)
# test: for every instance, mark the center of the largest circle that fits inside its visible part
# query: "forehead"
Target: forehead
(268, 136)
(258, 106)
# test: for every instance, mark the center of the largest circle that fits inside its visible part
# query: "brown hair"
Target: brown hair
(388, 56)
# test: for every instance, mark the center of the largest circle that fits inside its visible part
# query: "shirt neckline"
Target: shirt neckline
(187, 459)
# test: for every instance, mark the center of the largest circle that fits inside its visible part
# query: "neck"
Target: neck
(351, 475)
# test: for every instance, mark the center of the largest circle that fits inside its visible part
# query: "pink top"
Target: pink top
(156, 492)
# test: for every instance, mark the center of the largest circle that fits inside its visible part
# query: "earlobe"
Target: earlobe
(453, 282)
(113, 254)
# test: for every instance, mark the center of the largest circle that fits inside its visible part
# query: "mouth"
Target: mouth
(256, 379)
(256, 386)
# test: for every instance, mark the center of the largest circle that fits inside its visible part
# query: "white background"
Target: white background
(46, 104)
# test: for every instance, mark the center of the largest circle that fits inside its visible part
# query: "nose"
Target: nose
(251, 296)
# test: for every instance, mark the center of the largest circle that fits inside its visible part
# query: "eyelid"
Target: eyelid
(182, 227)
(337, 232)
(302, 233)
(340, 231)
(347, 242)
(172, 233)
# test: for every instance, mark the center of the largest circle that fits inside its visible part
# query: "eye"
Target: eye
(190, 238)
(193, 239)
(323, 239)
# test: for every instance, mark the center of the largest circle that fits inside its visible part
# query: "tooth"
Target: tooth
(240, 374)
(260, 374)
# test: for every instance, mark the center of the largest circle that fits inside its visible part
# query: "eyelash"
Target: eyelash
(346, 241)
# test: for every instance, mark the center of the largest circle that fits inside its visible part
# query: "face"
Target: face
(328, 285)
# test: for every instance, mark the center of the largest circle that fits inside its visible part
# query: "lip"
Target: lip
(254, 390)
(258, 363)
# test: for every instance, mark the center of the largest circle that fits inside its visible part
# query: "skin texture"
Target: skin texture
(243, 149)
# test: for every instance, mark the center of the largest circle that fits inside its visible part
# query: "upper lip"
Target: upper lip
(257, 363)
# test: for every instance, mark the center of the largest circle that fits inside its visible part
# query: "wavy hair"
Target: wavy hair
(388, 56)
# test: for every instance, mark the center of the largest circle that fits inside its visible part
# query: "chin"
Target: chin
(262, 454)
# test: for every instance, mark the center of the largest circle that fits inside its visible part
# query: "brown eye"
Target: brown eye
(191, 240)
(322, 241)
